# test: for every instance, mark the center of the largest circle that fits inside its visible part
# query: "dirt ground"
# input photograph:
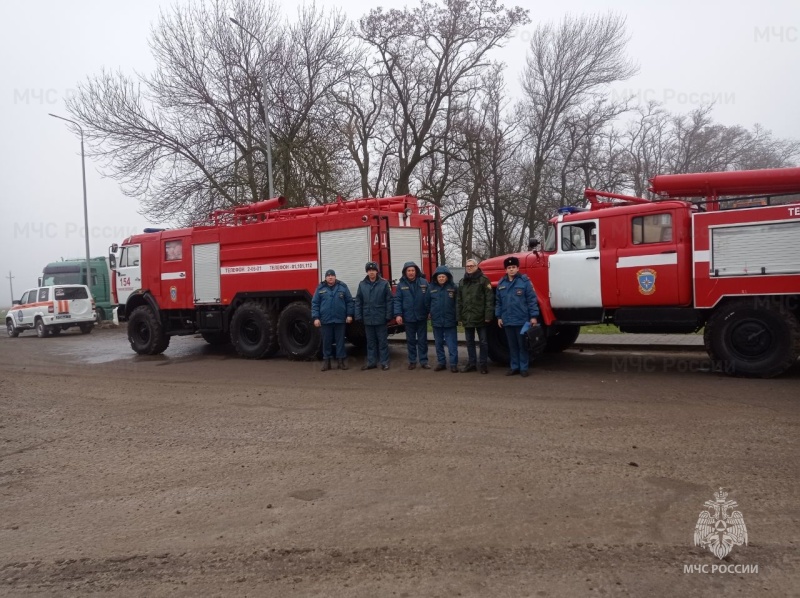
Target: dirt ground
(197, 473)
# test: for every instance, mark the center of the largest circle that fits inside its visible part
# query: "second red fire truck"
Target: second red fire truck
(718, 251)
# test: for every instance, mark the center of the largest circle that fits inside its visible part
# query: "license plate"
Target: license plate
(63, 317)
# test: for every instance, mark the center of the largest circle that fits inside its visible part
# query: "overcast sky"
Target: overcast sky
(746, 55)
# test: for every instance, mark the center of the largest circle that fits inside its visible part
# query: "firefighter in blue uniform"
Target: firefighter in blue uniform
(515, 305)
(332, 308)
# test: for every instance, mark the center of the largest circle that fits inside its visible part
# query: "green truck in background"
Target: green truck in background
(73, 271)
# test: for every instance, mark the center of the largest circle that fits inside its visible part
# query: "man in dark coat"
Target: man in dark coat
(516, 305)
(475, 311)
(411, 310)
(374, 309)
(332, 309)
(444, 318)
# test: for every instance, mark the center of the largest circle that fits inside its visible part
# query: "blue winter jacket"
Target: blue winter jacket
(443, 300)
(332, 304)
(515, 301)
(411, 298)
(374, 301)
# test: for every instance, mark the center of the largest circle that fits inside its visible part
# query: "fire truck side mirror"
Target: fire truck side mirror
(112, 259)
(533, 244)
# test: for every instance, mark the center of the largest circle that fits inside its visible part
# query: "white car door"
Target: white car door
(25, 312)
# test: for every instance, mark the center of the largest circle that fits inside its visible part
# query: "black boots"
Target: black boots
(326, 365)
(343, 364)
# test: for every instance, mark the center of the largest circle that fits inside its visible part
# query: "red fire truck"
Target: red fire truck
(247, 275)
(718, 250)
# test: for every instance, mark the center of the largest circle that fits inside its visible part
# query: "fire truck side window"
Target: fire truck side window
(576, 237)
(550, 238)
(656, 228)
(132, 255)
(173, 250)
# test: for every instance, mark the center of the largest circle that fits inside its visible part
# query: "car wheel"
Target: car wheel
(11, 330)
(86, 328)
(42, 331)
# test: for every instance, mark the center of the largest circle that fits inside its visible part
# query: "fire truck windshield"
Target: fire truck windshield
(550, 238)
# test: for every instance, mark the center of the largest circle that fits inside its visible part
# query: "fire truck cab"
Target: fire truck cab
(676, 265)
(247, 275)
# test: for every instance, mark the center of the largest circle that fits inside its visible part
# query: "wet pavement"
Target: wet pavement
(109, 344)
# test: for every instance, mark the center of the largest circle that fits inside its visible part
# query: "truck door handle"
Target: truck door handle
(594, 257)
(670, 251)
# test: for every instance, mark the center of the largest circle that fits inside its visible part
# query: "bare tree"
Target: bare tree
(426, 54)
(567, 64)
(187, 137)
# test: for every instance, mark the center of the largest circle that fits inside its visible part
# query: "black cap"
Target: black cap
(371, 266)
(330, 272)
(511, 261)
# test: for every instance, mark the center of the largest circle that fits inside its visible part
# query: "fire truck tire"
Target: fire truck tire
(42, 331)
(145, 333)
(562, 338)
(357, 334)
(498, 344)
(749, 340)
(253, 331)
(11, 330)
(299, 338)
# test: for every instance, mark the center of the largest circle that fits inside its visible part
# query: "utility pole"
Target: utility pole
(11, 285)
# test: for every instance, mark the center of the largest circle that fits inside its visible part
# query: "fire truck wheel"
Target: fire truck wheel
(100, 315)
(12, 332)
(498, 344)
(253, 331)
(750, 340)
(42, 331)
(299, 339)
(145, 333)
(357, 334)
(562, 338)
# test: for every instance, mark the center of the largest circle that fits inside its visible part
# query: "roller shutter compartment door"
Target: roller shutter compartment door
(406, 244)
(205, 262)
(346, 251)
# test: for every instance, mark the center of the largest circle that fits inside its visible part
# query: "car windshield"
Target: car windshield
(66, 293)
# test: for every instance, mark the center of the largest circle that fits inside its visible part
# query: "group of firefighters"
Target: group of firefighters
(472, 302)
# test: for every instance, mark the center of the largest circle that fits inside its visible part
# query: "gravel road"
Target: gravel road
(199, 473)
